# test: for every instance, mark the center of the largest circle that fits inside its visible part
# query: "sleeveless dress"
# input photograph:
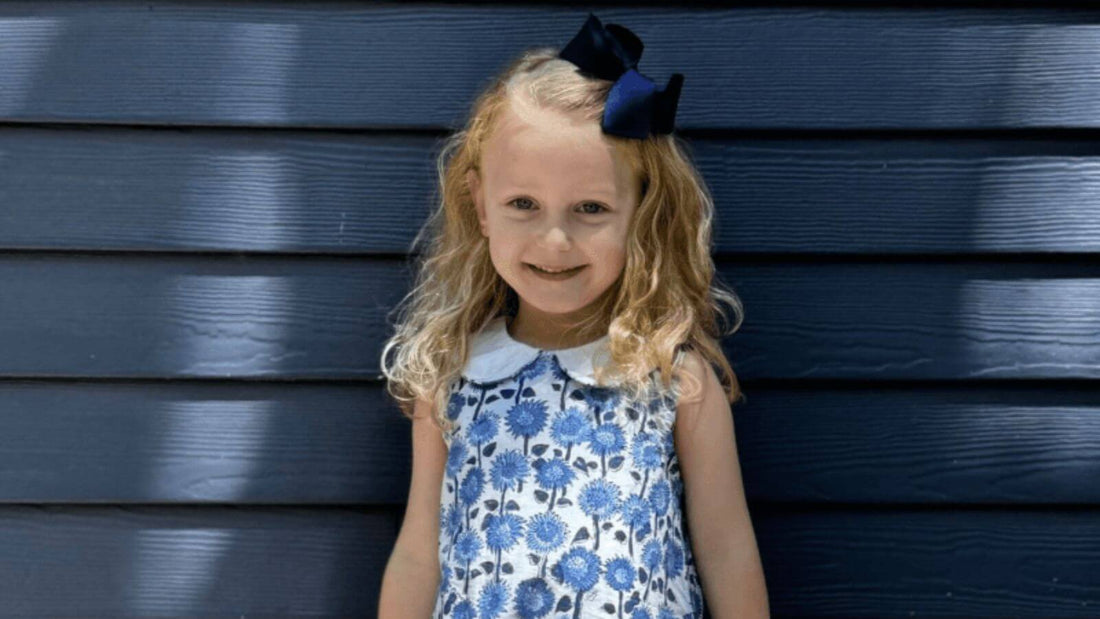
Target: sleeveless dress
(560, 498)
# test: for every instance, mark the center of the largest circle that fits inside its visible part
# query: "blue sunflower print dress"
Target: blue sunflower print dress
(560, 498)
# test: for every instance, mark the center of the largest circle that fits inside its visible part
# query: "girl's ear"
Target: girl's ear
(473, 183)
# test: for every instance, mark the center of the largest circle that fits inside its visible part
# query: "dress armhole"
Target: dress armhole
(454, 391)
(669, 401)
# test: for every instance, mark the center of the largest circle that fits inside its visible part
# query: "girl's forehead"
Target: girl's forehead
(541, 141)
(546, 128)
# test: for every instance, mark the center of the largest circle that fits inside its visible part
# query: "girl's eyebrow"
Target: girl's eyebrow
(607, 192)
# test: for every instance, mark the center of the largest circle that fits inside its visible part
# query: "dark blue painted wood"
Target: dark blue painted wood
(280, 443)
(238, 560)
(951, 563)
(920, 436)
(201, 442)
(191, 316)
(997, 444)
(180, 561)
(249, 191)
(349, 65)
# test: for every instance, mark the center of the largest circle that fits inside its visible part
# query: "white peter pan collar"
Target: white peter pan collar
(496, 355)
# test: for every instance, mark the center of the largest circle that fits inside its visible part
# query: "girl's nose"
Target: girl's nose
(557, 234)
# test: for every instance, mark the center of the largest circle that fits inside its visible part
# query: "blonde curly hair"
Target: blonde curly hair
(666, 299)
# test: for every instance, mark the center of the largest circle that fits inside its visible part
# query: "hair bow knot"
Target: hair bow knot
(635, 106)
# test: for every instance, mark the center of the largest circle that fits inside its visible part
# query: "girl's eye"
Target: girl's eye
(513, 202)
(601, 208)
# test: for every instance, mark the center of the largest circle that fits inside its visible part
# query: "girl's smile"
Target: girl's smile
(558, 275)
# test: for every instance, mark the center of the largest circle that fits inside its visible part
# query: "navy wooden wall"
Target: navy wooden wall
(206, 212)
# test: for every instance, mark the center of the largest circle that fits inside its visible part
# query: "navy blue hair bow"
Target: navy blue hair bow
(635, 107)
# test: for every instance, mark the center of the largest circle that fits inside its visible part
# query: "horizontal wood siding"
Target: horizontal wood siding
(206, 212)
(329, 192)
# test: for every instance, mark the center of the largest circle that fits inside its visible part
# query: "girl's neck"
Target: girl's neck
(546, 335)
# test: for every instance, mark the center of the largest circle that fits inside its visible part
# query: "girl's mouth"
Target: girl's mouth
(555, 276)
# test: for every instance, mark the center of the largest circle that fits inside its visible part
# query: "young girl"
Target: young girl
(566, 294)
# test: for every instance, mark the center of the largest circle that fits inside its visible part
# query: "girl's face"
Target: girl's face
(552, 193)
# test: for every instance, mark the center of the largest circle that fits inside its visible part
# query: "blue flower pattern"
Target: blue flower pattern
(561, 500)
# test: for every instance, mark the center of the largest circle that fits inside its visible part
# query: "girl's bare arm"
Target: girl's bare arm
(411, 578)
(722, 536)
